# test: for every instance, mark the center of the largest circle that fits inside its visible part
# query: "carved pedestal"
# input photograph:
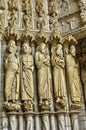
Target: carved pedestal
(61, 120)
(74, 120)
(45, 120)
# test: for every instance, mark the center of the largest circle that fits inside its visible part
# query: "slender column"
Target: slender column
(75, 120)
(53, 122)
(61, 120)
(20, 122)
(12, 119)
(45, 120)
(37, 119)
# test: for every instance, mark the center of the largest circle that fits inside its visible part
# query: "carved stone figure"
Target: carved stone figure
(12, 28)
(40, 13)
(2, 6)
(12, 76)
(42, 61)
(73, 78)
(27, 18)
(40, 8)
(2, 20)
(27, 77)
(26, 5)
(52, 13)
(52, 8)
(82, 4)
(58, 75)
(12, 5)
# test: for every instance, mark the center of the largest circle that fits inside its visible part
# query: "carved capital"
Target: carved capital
(12, 106)
(41, 37)
(56, 38)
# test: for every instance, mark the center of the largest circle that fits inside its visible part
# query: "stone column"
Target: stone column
(61, 120)
(53, 122)
(37, 119)
(12, 120)
(45, 120)
(20, 122)
(74, 120)
(29, 120)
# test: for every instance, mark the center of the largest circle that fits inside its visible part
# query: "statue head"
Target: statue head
(72, 50)
(59, 49)
(12, 46)
(26, 48)
(43, 48)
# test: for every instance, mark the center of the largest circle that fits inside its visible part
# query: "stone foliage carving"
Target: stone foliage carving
(27, 77)
(42, 60)
(12, 76)
(58, 75)
(73, 78)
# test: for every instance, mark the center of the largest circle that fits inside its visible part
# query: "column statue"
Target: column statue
(73, 78)
(12, 77)
(27, 77)
(59, 79)
(42, 60)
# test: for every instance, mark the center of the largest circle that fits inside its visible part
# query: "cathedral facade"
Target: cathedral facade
(42, 65)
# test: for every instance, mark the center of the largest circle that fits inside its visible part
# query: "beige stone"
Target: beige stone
(42, 60)
(27, 65)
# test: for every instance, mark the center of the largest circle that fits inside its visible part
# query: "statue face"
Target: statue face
(73, 50)
(26, 48)
(43, 48)
(11, 46)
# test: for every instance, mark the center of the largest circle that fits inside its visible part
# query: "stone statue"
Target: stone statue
(12, 4)
(53, 15)
(27, 77)
(12, 76)
(40, 8)
(73, 78)
(58, 75)
(42, 60)
(82, 4)
(2, 17)
(13, 23)
(27, 18)
(26, 5)
(2, 4)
